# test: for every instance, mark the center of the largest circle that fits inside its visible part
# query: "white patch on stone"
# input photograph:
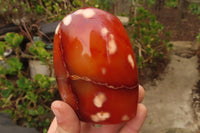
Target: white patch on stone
(125, 118)
(100, 116)
(104, 31)
(57, 29)
(130, 60)
(67, 20)
(103, 70)
(112, 47)
(88, 13)
(99, 99)
(78, 12)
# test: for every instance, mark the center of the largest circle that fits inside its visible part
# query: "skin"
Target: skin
(66, 120)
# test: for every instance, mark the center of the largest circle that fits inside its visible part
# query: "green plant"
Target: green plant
(12, 41)
(102, 4)
(171, 3)
(147, 34)
(39, 51)
(198, 37)
(149, 2)
(168, 3)
(26, 100)
(34, 10)
(194, 8)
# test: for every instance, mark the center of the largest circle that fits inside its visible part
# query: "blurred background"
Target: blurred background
(165, 36)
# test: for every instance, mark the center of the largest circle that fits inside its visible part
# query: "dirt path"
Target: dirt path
(168, 99)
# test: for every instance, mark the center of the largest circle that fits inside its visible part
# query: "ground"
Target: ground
(168, 98)
(173, 98)
(187, 30)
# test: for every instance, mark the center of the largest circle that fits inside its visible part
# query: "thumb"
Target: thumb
(66, 118)
(134, 125)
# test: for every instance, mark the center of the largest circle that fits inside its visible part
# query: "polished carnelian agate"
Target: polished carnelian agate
(95, 67)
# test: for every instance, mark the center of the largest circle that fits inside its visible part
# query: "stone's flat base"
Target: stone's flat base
(168, 99)
(7, 126)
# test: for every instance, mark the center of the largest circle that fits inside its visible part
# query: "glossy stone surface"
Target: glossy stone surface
(95, 66)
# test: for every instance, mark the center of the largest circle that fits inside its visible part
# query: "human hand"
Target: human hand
(66, 120)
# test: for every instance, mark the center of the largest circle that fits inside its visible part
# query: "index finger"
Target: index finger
(141, 94)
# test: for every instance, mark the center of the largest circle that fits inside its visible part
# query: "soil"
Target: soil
(185, 30)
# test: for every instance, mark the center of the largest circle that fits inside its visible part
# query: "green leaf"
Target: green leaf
(43, 53)
(14, 65)
(170, 45)
(17, 40)
(9, 37)
(45, 84)
(32, 112)
(40, 44)
(198, 37)
(31, 96)
(9, 111)
(14, 39)
(52, 79)
(33, 49)
(2, 48)
(39, 9)
(43, 81)
(6, 93)
(2, 70)
(45, 130)
(155, 54)
(20, 106)
(39, 51)
(7, 83)
(40, 110)
(24, 83)
(46, 122)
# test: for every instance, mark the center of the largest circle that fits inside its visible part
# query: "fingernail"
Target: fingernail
(55, 108)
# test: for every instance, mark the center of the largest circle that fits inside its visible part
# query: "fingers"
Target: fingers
(134, 125)
(141, 94)
(66, 120)
(110, 128)
(53, 126)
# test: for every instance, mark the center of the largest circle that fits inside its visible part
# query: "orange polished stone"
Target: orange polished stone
(95, 66)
